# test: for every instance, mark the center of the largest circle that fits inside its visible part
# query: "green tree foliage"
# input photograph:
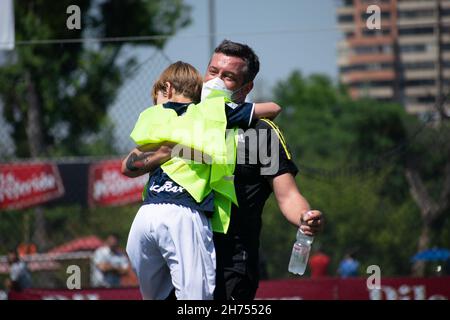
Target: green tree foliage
(352, 157)
(57, 94)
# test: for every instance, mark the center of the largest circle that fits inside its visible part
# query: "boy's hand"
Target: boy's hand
(163, 154)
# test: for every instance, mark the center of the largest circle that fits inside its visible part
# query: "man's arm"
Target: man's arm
(281, 178)
(107, 267)
(104, 266)
(142, 160)
(123, 267)
(294, 206)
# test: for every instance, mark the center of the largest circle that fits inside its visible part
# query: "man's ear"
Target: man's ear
(243, 92)
(248, 87)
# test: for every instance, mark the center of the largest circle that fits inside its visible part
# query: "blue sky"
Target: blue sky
(312, 50)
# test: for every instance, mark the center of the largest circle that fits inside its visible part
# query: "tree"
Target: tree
(424, 165)
(58, 94)
(428, 174)
(352, 158)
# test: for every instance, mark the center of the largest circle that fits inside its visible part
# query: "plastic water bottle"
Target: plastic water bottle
(300, 253)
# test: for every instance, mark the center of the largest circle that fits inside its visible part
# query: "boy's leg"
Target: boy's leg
(187, 246)
(142, 249)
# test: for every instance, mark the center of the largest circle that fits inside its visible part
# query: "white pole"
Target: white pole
(6, 25)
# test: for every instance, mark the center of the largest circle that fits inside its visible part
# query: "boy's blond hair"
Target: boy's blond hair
(185, 79)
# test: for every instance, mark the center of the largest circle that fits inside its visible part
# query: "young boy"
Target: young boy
(170, 243)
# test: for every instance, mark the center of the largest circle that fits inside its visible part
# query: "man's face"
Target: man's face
(231, 71)
(112, 243)
(12, 257)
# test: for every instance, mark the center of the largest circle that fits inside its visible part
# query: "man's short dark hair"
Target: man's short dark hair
(235, 49)
(14, 250)
(114, 235)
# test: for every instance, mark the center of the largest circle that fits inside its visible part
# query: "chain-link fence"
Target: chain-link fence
(134, 97)
(370, 176)
(57, 210)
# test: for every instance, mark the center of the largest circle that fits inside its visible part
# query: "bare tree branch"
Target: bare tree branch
(442, 109)
(427, 205)
(34, 119)
(444, 200)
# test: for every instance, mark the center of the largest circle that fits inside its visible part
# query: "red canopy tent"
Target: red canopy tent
(89, 243)
(79, 248)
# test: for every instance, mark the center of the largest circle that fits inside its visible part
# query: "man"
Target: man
(109, 264)
(348, 267)
(237, 274)
(318, 263)
(237, 251)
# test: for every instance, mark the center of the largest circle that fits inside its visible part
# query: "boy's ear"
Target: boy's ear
(168, 92)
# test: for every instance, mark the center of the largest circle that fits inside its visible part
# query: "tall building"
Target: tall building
(406, 59)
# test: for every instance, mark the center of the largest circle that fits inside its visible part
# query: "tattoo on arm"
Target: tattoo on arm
(137, 162)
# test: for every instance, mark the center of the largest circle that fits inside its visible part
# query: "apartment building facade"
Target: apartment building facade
(406, 59)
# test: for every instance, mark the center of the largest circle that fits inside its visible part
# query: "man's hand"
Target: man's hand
(104, 267)
(294, 206)
(312, 222)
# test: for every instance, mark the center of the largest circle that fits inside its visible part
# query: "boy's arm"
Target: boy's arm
(266, 110)
(242, 115)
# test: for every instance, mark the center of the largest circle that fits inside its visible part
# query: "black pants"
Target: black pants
(231, 285)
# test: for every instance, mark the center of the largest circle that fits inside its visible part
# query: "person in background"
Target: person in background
(319, 263)
(348, 267)
(19, 275)
(238, 269)
(109, 264)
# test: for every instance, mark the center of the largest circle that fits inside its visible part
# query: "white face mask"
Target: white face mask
(216, 88)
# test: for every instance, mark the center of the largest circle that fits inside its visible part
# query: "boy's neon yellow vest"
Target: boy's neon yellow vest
(202, 127)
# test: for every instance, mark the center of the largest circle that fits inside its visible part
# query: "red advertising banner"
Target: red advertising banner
(26, 184)
(82, 294)
(303, 289)
(108, 187)
(437, 288)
